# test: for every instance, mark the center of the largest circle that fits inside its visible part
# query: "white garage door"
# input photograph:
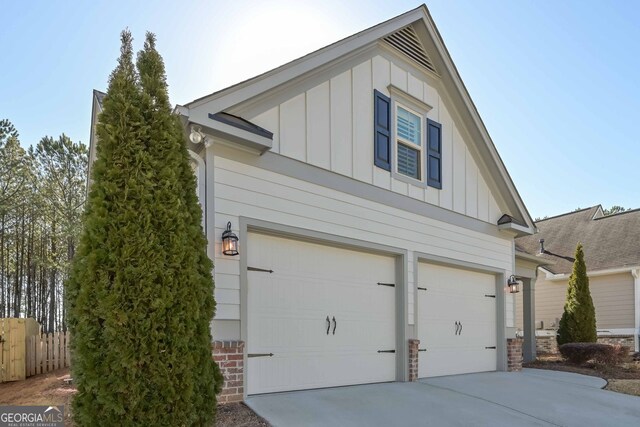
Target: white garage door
(456, 321)
(291, 345)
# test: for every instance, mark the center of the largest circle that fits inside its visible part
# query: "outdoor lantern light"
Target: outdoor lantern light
(513, 284)
(229, 241)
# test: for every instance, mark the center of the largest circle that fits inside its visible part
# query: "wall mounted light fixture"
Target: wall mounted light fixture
(513, 284)
(229, 241)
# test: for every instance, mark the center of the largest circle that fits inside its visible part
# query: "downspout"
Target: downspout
(636, 276)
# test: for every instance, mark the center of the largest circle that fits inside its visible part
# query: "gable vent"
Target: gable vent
(406, 41)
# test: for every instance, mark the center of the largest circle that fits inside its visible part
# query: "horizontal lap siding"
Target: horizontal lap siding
(612, 296)
(243, 190)
(330, 125)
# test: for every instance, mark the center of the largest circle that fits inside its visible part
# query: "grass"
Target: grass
(621, 378)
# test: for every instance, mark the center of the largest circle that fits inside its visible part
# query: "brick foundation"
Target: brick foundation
(413, 359)
(229, 355)
(514, 354)
(625, 340)
(548, 344)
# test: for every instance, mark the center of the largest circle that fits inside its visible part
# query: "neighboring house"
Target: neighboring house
(376, 220)
(612, 255)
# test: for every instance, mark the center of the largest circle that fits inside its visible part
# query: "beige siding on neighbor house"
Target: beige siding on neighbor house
(244, 190)
(612, 295)
(330, 125)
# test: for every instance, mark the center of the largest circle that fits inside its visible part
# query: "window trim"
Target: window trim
(416, 106)
(410, 144)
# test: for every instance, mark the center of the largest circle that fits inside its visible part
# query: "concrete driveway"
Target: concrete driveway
(529, 398)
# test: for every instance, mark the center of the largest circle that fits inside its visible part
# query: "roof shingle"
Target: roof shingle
(611, 241)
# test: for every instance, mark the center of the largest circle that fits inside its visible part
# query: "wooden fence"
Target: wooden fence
(24, 351)
(47, 352)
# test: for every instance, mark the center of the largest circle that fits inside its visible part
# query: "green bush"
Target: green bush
(578, 322)
(613, 355)
(140, 295)
(605, 354)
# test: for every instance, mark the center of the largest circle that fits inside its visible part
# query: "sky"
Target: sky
(555, 82)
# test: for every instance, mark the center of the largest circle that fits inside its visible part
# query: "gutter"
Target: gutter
(551, 277)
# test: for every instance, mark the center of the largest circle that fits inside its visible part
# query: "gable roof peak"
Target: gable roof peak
(420, 21)
(593, 210)
(407, 42)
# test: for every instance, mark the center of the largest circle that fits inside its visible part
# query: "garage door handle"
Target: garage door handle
(328, 325)
(335, 324)
(460, 333)
(457, 328)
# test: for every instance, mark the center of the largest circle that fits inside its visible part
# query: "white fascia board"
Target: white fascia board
(222, 131)
(516, 228)
(231, 133)
(551, 277)
(530, 258)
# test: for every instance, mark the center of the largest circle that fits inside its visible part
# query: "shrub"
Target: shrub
(578, 322)
(581, 352)
(141, 291)
(613, 355)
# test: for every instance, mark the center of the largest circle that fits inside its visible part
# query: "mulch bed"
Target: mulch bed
(238, 415)
(622, 378)
(51, 389)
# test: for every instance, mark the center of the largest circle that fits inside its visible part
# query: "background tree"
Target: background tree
(41, 197)
(578, 322)
(140, 296)
(614, 210)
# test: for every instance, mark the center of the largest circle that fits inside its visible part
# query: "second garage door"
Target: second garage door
(456, 321)
(318, 316)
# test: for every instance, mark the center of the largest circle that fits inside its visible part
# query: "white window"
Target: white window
(409, 146)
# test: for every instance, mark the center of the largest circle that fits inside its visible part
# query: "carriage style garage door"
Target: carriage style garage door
(456, 321)
(323, 317)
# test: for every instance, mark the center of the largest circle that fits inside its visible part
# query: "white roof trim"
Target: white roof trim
(549, 276)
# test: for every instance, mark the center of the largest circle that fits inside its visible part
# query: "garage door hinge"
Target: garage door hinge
(422, 349)
(393, 285)
(260, 355)
(489, 296)
(490, 348)
(386, 351)
(421, 289)
(259, 269)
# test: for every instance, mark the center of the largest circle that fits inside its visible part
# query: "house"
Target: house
(612, 255)
(376, 220)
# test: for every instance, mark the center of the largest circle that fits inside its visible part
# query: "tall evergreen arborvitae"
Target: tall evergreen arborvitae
(578, 322)
(141, 292)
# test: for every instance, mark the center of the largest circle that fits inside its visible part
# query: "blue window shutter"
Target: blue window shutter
(382, 130)
(434, 154)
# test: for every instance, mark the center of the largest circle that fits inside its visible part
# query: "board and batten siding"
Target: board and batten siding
(331, 126)
(613, 298)
(245, 190)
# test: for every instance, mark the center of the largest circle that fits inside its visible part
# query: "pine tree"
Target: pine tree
(167, 145)
(140, 297)
(578, 322)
